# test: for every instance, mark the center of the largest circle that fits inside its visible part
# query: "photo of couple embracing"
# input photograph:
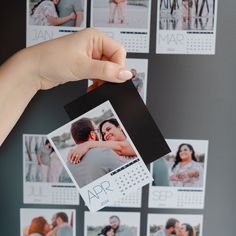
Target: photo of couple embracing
(56, 12)
(94, 144)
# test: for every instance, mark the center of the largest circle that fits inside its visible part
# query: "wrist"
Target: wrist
(20, 72)
(18, 85)
(91, 144)
(27, 69)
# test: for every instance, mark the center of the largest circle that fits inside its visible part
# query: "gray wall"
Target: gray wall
(190, 97)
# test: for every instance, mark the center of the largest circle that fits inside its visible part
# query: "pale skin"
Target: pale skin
(60, 20)
(82, 55)
(122, 148)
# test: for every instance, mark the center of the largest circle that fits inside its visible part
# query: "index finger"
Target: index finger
(113, 50)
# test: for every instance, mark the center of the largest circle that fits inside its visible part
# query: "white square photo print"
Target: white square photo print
(110, 167)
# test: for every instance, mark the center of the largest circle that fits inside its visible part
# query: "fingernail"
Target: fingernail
(124, 75)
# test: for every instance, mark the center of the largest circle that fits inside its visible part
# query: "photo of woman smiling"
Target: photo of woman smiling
(186, 170)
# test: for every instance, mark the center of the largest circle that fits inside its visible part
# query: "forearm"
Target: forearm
(58, 20)
(104, 144)
(17, 87)
(79, 18)
(120, 147)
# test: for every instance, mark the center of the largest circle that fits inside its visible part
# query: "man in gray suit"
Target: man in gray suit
(97, 161)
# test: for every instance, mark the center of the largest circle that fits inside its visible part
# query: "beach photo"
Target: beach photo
(69, 13)
(186, 14)
(120, 14)
(112, 223)
(40, 161)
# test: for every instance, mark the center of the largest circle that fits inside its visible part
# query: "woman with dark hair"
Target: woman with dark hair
(186, 230)
(107, 231)
(111, 130)
(112, 137)
(45, 13)
(38, 227)
(186, 171)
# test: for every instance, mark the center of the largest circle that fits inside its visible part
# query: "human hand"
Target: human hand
(82, 55)
(193, 173)
(178, 176)
(181, 176)
(75, 155)
(87, 54)
(72, 15)
(173, 177)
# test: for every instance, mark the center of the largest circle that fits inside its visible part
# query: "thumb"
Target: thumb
(108, 71)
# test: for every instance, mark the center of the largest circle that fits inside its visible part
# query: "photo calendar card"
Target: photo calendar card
(186, 27)
(174, 224)
(127, 21)
(45, 180)
(47, 20)
(180, 176)
(48, 222)
(100, 157)
(112, 223)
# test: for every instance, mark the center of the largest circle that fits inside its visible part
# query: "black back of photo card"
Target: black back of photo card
(132, 112)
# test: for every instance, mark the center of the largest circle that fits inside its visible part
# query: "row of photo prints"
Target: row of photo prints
(179, 178)
(183, 26)
(63, 222)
